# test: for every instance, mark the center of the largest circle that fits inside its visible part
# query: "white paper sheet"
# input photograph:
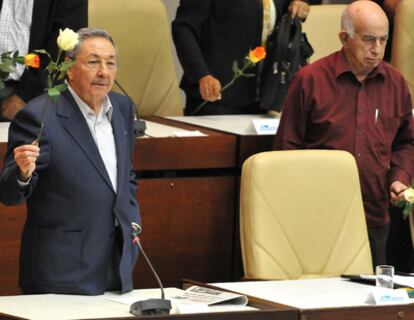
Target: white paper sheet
(236, 124)
(305, 294)
(158, 130)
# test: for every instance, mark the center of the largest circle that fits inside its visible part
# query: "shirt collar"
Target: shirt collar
(342, 66)
(106, 106)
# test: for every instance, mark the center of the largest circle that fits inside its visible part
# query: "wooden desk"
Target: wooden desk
(405, 312)
(340, 313)
(322, 299)
(188, 194)
(61, 307)
(187, 198)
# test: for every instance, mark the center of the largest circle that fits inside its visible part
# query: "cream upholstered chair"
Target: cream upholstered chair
(403, 42)
(301, 216)
(322, 28)
(141, 32)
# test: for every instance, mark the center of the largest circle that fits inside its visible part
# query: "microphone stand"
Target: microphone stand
(139, 125)
(149, 306)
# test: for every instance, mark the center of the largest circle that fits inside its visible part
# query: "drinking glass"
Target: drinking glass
(384, 276)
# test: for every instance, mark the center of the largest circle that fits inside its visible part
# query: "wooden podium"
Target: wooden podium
(188, 194)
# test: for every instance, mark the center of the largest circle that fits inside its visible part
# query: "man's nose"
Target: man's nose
(377, 46)
(102, 69)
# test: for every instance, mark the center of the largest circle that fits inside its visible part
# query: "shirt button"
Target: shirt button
(360, 110)
(360, 132)
(358, 155)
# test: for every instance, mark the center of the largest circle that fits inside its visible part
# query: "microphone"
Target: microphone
(149, 306)
(139, 125)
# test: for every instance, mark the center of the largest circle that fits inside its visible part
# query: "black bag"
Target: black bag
(287, 51)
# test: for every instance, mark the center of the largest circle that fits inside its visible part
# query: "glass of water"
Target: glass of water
(384, 276)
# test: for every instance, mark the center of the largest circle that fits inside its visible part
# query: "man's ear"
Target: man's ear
(344, 38)
(69, 71)
(69, 74)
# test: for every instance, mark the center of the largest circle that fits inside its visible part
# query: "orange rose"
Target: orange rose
(32, 60)
(259, 53)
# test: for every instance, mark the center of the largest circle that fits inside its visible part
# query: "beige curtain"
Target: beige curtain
(403, 42)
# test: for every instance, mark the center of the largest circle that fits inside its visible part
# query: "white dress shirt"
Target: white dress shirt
(101, 130)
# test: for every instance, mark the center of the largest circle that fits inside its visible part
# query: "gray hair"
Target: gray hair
(88, 33)
(347, 24)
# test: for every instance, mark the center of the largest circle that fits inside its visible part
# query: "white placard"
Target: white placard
(265, 126)
(384, 296)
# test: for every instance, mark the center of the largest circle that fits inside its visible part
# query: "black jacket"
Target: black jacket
(210, 34)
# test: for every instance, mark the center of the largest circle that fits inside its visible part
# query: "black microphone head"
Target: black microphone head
(139, 128)
(139, 125)
(150, 307)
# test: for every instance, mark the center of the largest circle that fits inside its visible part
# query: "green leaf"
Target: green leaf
(61, 75)
(406, 207)
(5, 67)
(61, 87)
(65, 65)
(1, 84)
(53, 92)
(43, 51)
(235, 67)
(51, 67)
(407, 210)
(49, 82)
(19, 60)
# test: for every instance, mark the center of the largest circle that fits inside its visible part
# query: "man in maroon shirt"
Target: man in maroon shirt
(351, 100)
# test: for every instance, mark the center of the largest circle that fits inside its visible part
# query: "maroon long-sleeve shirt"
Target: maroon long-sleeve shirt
(328, 108)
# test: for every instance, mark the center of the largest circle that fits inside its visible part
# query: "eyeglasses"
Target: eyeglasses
(94, 64)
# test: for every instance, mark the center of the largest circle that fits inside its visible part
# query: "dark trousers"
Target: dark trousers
(378, 242)
(113, 280)
(400, 252)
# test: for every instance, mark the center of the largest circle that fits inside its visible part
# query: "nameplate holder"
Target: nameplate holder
(265, 126)
(383, 296)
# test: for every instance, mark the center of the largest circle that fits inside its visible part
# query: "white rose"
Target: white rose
(409, 195)
(67, 39)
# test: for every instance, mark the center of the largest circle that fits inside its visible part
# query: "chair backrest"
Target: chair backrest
(301, 216)
(141, 32)
(403, 42)
(322, 28)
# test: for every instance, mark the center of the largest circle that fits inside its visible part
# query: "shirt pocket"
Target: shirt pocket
(388, 127)
(390, 123)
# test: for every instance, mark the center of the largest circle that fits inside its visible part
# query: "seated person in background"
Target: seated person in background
(77, 182)
(26, 25)
(351, 100)
(209, 35)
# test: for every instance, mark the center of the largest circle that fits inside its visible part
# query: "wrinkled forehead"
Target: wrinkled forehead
(97, 47)
(375, 32)
(372, 23)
